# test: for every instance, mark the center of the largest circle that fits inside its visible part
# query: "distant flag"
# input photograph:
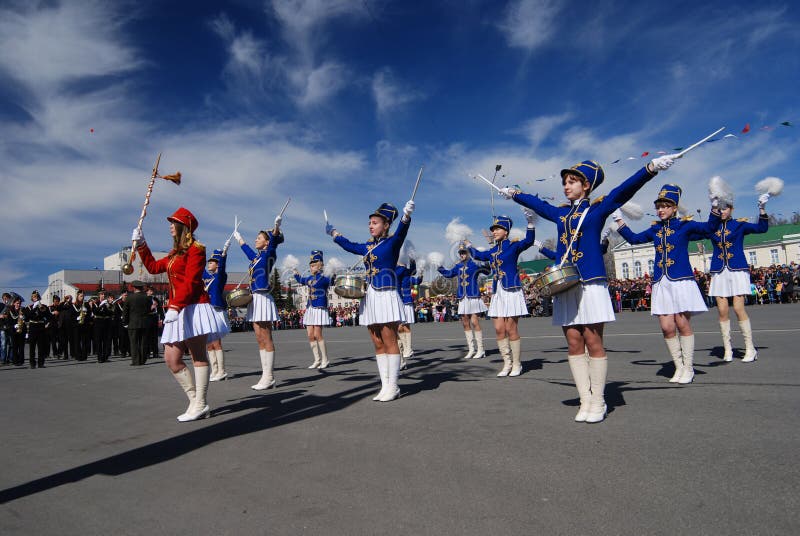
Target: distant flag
(730, 136)
(746, 128)
(91, 130)
(677, 149)
(645, 154)
(631, 158)
(615, 161)
(786, 124)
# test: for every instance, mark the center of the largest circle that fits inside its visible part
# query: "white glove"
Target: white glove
(762, 200)
(605, 233)
(537, 244)
(226, 246)
(530, 216)
(508, 192)
(137, 236)
(171, 316)
(329, 229)
(278, 221)
(237, 235)
(662, 162)
(617, 215)
(408, 209)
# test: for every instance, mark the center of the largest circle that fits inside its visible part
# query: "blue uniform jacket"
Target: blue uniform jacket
(406, 281)
(380, 256)
(467, 273)
(586, 253)
(550, 254)
(503, 258)
(671, 241)
(317, 289)
(262, 262)
(215, 284)
(728, 242)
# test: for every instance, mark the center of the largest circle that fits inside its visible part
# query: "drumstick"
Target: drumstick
(680, 154)
(416, 184)
(487, 181)
(236, 224)
(325, 213)
(280, 214)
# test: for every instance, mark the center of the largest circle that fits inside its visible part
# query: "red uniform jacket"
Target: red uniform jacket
(185, 274)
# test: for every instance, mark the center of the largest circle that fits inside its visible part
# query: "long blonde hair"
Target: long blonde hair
(182, 240)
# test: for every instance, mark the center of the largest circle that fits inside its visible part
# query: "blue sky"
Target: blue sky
(337, 104)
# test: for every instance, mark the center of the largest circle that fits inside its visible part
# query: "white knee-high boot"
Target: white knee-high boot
(516, 357)
(725, 329)
(687, 350)
(470, 345)
(315, 351)
(598, 370)
(408, 350)
(185, 379)
(750, 353)
(323, 353)
(479, 350)
(266, 381)
(221, 373)
(393, 369)
(383, 372)
(674, 347)
(212, 362)
(200, 409)
(505, 352)
(579, 366)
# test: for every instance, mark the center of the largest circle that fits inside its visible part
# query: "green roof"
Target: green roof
(534, 267)
(774, 234)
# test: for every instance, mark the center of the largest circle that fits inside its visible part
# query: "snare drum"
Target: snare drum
(556, 280)
(239, 297)
(351, 285)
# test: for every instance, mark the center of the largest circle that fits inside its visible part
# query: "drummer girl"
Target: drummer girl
(583, 310)
(190, 319)
(262, 311)
(381, 310)
(470, 304)
(214, 279)
(508, 301)
(316, 314)
(406, 280)
(676, 296)
(730, 274)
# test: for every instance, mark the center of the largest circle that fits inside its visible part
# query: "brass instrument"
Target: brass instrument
(20, 322)
(82, 315)
(127, 268)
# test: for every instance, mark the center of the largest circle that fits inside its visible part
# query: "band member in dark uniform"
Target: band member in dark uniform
(136, 315)
(155, 317)
(53, 329)
(120, 341)
(78, 316)
(102, 327)
(37, 317)
(17, 320)
(66, 321)
(5, 330)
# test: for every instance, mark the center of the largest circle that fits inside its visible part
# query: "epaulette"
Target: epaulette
(687, 218)
(200, 245)
(598, 200)
(512, 240)
(743, 220)
(655, 222)
(565, 205)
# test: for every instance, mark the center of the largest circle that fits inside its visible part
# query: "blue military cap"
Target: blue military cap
(504, 222)
(588, 170)
(316, 256)
(387, 211)
(669, 192)
(216, 256)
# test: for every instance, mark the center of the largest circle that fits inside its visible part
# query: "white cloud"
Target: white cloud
(390, 94)
(529, 24)
(321, 83)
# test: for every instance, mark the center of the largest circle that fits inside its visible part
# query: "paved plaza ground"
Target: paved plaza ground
(95, 448)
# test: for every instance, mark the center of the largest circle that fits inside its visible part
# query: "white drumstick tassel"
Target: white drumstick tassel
(632, 211)
(721, 190)
(457, 231)
(770, 185)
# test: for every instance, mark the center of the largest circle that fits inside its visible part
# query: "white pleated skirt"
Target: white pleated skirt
(316, 316)
(729, 283)
(507, 304)
(587, 303)
(408, 312)
(673, 297)
(193, 320)
(262, 308)
(381, 307)
(222, 316)
(471, 306)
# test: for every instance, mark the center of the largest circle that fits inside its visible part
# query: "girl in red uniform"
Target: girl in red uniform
(190, 319)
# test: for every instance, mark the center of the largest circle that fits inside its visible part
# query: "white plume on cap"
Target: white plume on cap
(290, 262)
(721, 190)
(770, 185)
(516, 234)
(457, 231)
(435, 258)
(332, 266)
(407, 253)
(632, 211)
(421, 264)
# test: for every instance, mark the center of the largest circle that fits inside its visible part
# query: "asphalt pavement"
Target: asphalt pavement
(92, 448)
